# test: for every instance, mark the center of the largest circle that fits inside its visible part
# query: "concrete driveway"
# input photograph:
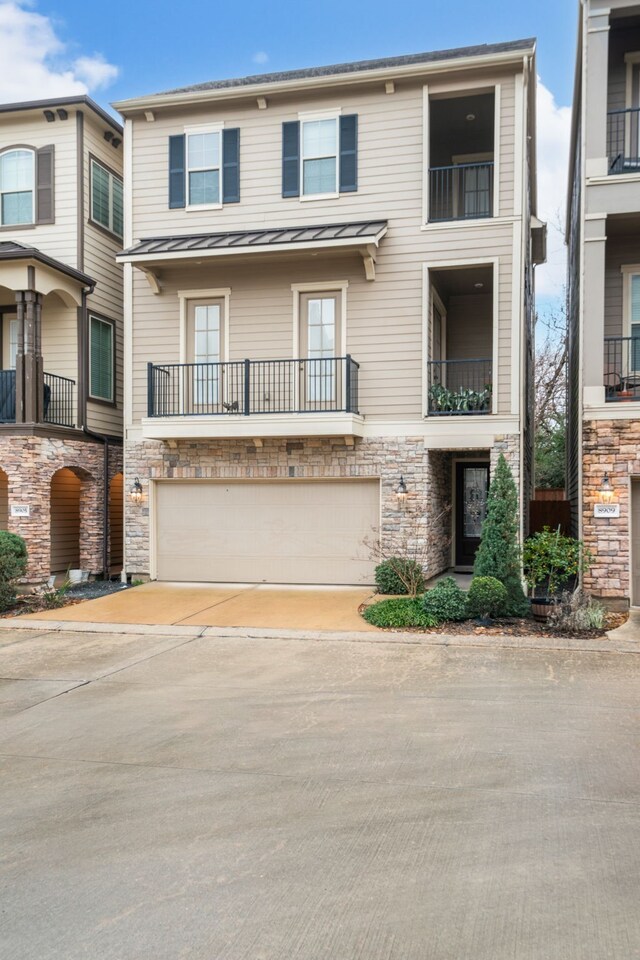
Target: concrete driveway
(267, 799)
(224, 605)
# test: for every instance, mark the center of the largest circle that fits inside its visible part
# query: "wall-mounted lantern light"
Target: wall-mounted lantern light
(136, 491)
(606, 490)
(401, 491)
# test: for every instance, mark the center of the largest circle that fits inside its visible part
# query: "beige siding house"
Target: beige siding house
(328, 281)
(604, 296)
(61, 335)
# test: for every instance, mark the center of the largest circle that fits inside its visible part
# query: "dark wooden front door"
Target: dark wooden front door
(472, 486)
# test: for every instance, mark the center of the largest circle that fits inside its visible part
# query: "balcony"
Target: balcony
(253, 398)
(458, 388)
(623, 143)
(622, 369)
(462, 191)
(58, 400)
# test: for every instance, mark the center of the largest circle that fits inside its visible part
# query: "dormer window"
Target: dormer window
(17, 179)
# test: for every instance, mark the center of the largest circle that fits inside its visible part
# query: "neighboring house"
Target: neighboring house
(328, 298)
(603, 233)
(61, 334)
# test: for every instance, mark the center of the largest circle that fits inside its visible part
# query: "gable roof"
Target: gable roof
(12, 250)
(80, 100)
(357, 67)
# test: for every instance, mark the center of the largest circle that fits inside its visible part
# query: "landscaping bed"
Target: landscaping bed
(53, 599)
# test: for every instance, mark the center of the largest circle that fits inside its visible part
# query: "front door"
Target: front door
(472, 486)
(320, 332)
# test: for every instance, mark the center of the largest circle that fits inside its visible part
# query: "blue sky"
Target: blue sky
(57, 47)
(163, 44)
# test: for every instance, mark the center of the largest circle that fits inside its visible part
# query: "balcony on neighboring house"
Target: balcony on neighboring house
(460, 364)
(622, 369)
(623, 140)
(57, 399)
(461, 157)
(253, 398)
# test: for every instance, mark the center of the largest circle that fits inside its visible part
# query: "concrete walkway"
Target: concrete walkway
(224, 605)
(207, 797)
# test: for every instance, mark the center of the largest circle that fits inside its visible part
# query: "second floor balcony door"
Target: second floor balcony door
(205, 346)
(320, 336)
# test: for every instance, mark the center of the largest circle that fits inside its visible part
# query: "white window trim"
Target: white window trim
(324, 286)
(219, 293)
(493, 262)
(461, 87)
(112, 327)
(112, 176)
(628, 270)
(308, 117)
(195, 129)
(27, 223)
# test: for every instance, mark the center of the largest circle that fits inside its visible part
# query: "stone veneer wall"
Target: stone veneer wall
(427, 474)
(613, 447)
(29, 463)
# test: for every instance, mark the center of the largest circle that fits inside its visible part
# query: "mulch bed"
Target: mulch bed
(31, 603)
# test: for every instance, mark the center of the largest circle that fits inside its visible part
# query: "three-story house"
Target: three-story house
(328, 305)
(603, 221)
(61, 216)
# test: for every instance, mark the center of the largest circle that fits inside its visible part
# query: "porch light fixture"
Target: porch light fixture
(606, 490)
(136, 491)
(401, 490)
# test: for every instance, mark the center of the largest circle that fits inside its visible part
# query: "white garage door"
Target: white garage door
(292, 531)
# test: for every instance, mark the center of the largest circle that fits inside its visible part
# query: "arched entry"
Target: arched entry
(66, 488)
(116, 510)
(4, 500)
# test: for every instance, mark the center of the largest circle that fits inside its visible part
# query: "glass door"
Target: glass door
(204, 333)
(472, 487)
(321, 376)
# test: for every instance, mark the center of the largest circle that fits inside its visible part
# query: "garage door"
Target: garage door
(266, 532)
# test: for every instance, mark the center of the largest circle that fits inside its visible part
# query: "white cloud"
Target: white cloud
(34, 60)
(554, 123)
(260, 57)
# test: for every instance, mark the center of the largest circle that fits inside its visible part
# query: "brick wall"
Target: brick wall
(613, 447)
(29, 463)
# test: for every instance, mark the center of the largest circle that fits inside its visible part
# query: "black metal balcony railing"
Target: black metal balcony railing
(459, 387)
(621, 368)
(57, 399)
(245, 387)
(623, 140)
(461, 192)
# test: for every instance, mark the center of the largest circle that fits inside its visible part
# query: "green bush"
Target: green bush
(402, 612)
(7, 596)
(445, 601)
(499, 553)
(13, 556)
(487, 597)
(551, 561)
(399, 575)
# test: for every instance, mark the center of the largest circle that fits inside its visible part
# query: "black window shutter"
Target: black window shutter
(291, 159)
(45, 212)
(231, 165)
(349, 153)
(176, 171)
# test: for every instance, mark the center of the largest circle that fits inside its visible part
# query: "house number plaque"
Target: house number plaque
(20, 510)
(606, 510)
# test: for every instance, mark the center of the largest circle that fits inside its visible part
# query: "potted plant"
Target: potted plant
(552, 564)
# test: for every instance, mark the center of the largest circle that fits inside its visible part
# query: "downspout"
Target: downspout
(105, 439)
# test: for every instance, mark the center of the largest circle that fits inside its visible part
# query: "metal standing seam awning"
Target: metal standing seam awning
(362, 237)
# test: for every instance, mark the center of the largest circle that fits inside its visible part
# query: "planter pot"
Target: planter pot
(75, 576)
(541, 607)
(51, 582)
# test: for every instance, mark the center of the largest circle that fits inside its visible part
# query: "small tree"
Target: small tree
(13, 564)
(406, 557)
(499, 553)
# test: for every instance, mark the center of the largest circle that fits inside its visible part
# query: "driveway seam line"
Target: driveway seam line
(197, 613)
(218, 771)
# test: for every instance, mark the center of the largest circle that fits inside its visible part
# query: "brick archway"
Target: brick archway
(116, 511)
(75, 520)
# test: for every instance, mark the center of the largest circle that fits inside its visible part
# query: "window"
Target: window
(203, 168)
(17, 176)
(13, 343)
(319, 156)
(101, 359)
(106, 198)
(633, 322)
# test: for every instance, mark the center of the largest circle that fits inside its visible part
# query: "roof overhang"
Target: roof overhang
(151, 255)
(25, 268)
(340, 78)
